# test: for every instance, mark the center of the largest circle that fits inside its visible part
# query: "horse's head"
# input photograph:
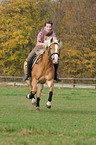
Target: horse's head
(54, 49)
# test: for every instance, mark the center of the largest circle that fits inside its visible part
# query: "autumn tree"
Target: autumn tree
(20, 21)
(74, 23)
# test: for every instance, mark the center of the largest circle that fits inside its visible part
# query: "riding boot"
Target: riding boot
(55, 73)
(28, 74)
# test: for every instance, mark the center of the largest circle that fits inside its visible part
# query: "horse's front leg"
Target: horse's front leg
(40, 88)
(33, 92)
(50, 84)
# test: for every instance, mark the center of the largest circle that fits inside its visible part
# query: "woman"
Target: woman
(45, 33)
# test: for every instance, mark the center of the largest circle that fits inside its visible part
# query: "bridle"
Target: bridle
(49, 50)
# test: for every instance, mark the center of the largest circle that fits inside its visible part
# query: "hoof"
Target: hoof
(48, 105)
(37, 109)
(34, 102)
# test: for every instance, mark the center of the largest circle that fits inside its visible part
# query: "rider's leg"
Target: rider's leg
(28, 74)
(31, 54)
(55, 73)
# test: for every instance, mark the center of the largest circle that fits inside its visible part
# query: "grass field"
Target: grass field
(70, 121)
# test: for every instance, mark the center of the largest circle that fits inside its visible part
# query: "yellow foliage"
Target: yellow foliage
(21, 21)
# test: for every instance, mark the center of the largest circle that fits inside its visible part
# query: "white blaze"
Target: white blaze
(55, 56)
(56, 48)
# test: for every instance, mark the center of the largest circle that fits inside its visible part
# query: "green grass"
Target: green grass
(70, 121)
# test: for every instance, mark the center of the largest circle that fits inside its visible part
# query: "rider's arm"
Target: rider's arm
(40, 44)
(40, 39)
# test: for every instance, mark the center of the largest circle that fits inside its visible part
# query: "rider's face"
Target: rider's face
(48, 27)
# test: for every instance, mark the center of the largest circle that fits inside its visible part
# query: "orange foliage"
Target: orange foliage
(74, 24)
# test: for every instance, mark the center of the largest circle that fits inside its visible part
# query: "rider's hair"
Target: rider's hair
(48, 22)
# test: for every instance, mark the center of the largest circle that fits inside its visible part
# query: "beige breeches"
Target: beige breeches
(31, 54)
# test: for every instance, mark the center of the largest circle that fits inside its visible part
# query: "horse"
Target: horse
(43, 72)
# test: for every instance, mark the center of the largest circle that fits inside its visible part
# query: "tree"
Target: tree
(74, 24)
(19, 24)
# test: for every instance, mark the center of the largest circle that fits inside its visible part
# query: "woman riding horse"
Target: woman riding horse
(43, 72)
(45, 33)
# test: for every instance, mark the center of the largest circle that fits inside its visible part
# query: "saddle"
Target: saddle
(35, 59)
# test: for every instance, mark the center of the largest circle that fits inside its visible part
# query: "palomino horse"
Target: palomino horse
(43, 72)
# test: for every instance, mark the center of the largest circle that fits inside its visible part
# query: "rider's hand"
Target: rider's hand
(46, 43)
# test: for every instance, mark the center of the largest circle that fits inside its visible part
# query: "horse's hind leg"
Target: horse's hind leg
(40, 87)
(30, 88)
(29, 85)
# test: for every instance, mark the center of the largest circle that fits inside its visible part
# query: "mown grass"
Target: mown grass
(70, 121)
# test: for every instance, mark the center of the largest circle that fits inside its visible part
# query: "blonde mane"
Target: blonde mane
(52, 40)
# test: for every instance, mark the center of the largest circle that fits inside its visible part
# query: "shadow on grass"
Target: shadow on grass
(68, 111)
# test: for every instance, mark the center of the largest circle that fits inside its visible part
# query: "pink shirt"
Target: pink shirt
(40, 37)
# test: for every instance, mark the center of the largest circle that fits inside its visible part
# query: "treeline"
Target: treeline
(74, 24)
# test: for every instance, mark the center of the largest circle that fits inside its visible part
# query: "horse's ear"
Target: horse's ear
(61, 44)
(51, 40)
(59, 41)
